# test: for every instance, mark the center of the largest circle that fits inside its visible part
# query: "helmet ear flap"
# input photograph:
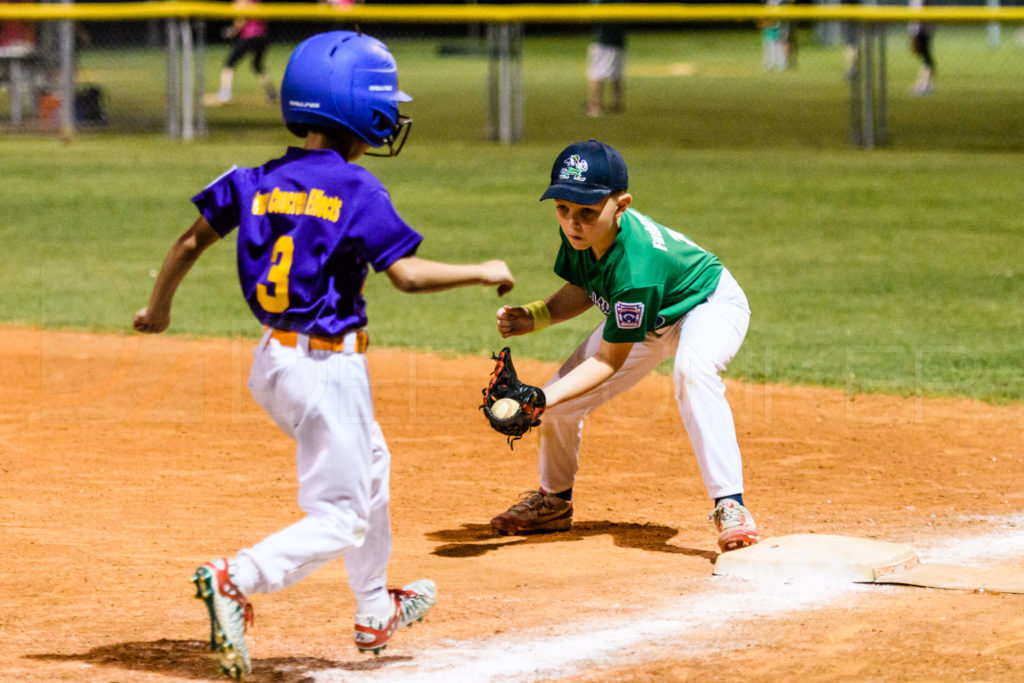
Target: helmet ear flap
(395, 139)
(383, 125)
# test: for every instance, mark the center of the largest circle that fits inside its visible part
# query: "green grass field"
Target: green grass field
(895, 270)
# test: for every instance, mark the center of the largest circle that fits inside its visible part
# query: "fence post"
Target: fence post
(882, 125)
(994, 33)
(505, 82)
(856, 73)
(827, 32)
(188, 93)
(67, 76)
(869, 88)
(867, 98)
(200, 54)
(173, 72)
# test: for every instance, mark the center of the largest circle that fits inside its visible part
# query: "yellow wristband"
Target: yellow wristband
(541, 315)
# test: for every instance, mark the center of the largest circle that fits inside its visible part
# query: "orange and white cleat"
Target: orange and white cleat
(411, 604)
(735, 524)
(230, 615)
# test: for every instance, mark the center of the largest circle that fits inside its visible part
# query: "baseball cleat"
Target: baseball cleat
(230, 615)
(536, 511)
(411, 604)
(736, 528)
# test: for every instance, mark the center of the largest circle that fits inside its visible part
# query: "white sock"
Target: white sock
(245, 574)
(376, 603)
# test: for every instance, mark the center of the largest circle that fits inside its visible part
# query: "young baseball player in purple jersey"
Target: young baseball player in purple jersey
(664, 297)
(310, 225)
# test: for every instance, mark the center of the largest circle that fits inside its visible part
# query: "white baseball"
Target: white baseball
(504, 408)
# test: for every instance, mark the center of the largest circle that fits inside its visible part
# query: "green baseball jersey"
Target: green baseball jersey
(650, 277)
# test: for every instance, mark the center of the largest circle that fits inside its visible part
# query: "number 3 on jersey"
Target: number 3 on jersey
(277, 277)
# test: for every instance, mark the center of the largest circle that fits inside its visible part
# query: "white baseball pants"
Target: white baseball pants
(703, 342)
(322, 400)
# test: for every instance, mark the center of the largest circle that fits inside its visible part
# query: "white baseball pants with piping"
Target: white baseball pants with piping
(703, 342)
(322, 400)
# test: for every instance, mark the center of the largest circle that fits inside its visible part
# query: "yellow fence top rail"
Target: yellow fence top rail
(504, 14)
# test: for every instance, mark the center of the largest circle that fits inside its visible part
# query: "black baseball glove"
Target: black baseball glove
(505, 384)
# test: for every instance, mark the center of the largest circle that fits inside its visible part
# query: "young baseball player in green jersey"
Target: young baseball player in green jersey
(664, 297)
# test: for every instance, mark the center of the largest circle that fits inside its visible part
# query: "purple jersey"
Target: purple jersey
(309, 226)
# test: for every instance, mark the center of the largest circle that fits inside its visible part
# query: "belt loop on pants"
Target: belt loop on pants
(354, 341)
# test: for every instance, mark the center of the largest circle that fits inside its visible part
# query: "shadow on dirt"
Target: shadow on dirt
(473, 540)
(191, 660)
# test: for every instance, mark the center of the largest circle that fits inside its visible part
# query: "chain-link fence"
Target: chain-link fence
(724, 80)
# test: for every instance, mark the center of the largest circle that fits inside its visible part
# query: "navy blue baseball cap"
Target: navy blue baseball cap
(587, 172)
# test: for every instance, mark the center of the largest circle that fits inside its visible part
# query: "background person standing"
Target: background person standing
(921, 45)
(606, 62)
(249, 37)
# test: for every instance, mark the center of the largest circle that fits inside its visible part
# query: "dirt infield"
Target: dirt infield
(128, 460)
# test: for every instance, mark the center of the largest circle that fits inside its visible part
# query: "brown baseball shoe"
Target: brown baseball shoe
(536, 511)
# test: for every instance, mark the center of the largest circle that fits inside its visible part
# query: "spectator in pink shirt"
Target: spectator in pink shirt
(249, 37)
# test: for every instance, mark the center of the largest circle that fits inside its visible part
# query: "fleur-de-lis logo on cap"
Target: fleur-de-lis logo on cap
(574, 168)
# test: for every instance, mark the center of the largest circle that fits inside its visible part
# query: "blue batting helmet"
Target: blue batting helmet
(347, 79)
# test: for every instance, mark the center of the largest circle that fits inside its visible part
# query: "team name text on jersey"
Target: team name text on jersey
(657, 238)
(315, 203)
